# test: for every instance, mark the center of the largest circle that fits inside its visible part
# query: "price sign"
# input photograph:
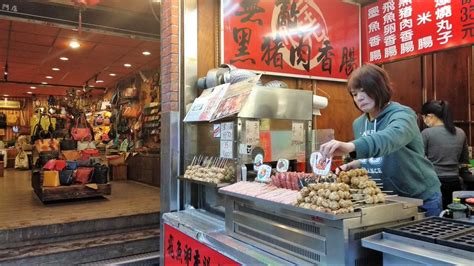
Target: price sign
(227, 131)
(264, 172)
(320, 165)
(282, 165)
(252, 132)
(257, 162)
(227, 150)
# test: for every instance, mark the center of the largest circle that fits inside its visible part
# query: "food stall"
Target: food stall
(272, 225)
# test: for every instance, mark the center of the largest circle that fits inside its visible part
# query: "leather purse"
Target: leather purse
(66, 177)
(81, 133)
(87, 153)
(67, 143)
(47, 145)
(71, 155)
(132, 111)
(83, 175)
(45, 156)
(71, 165)
(130, 92)
(51, 179)
(100, 175)
(56, 165)
(84, 145)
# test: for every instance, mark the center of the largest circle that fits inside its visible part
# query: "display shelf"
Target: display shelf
(46, 194)
(220, 185)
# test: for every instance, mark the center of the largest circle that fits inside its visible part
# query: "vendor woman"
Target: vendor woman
(388, 142)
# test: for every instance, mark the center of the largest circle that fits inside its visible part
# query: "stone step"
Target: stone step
(44, 234)
(84, 250)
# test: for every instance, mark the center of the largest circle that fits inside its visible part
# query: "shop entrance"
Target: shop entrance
(79, 131)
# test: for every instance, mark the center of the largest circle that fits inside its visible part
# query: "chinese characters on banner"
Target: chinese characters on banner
(310, 39)
(395, 29)
(181, 249)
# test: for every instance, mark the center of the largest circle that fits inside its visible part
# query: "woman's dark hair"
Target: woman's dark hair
(374, 81)
(442, 110)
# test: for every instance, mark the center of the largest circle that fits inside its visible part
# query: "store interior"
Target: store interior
(66, 109)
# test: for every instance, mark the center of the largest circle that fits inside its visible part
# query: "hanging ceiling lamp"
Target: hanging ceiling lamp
(81, 5)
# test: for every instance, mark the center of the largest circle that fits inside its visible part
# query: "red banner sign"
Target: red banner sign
(309, 39)
(181, 249)
(395, 29)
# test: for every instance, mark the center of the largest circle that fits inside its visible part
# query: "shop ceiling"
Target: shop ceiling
(36, 35)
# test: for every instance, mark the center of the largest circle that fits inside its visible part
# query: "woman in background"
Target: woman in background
(445, 146)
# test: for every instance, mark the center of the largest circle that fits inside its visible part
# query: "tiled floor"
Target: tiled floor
(20, 207)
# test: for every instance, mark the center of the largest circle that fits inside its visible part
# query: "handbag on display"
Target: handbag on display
(84, 163)
(21, 161)
(54, 164)
(66, 177)
(124, 145)
(12, 118)
(132, 111)
(130, 92)
(81, 133)
(100, 175)
(47, 145)
(39, 132)
(83, 175)
(51, 179)
(71, 155)
(45, 156)
(68, 144)
(87, 153)
(84, 145)
(71, 165)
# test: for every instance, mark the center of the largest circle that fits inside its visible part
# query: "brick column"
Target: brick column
(170, 55)
(170, 134)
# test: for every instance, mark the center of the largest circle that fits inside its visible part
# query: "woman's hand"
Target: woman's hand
(348, 166)
(335, 147)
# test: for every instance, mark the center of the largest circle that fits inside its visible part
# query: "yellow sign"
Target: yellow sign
(6, 104)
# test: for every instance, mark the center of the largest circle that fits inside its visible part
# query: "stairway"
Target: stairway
(84, 242)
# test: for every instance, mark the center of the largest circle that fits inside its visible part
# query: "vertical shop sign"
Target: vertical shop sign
(307, 39)
(227, 140)
(252, 132)
(181, 249)
(396, 29)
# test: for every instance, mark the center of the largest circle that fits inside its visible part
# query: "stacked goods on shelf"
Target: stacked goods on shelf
(151, 118)
(210, 170)
(327, 197)
(363, 188)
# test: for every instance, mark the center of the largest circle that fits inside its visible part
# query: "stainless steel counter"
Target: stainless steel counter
(310, 236)
(399, 250)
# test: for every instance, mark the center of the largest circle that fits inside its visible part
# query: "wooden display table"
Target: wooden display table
(66, 192)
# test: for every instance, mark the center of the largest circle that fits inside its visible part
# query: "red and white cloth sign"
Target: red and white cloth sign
(395, 29)
(308, 39)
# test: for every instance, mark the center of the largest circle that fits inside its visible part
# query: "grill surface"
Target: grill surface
(461, 240)
(437, 230)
